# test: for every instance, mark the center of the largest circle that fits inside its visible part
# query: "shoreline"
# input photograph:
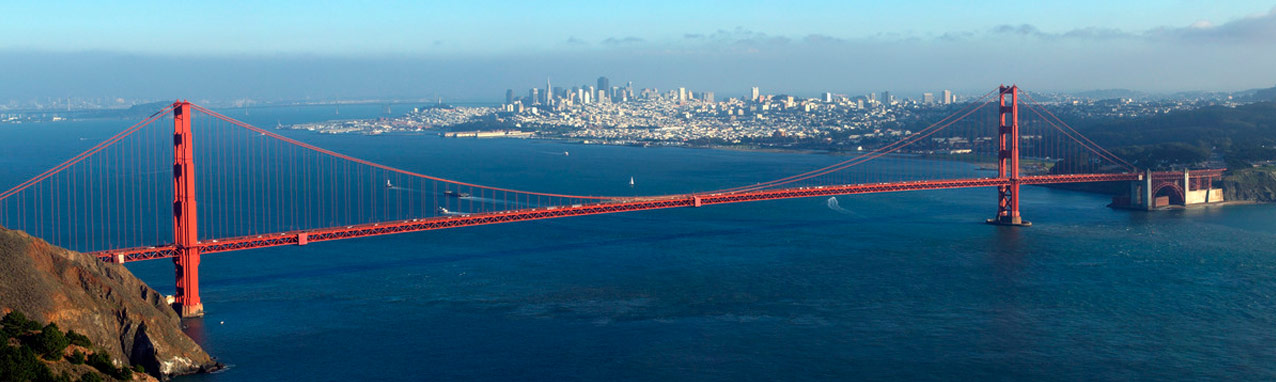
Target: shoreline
(1192, 206)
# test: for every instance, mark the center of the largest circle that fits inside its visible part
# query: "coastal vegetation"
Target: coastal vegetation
(1242, 136)
(36, 352)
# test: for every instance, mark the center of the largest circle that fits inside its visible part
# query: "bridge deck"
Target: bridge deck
(613, 206)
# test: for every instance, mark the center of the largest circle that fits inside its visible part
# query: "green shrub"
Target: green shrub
(123, 373)
(78, 339)
(138, 368)
(21, 364)
(101, 362)
(76, 358)
(50, 342)
(90, 377)
(15, 323)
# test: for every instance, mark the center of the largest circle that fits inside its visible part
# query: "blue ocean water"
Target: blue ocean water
(885, 286)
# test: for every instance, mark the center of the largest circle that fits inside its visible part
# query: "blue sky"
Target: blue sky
(495, 27)
(468, 49)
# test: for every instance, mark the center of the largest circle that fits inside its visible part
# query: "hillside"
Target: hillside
(1242, 135)
(115, 311)
(1257, 184)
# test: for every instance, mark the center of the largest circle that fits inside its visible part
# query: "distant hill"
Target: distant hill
(1260, 95)
(1110, 93)
(1243, 135)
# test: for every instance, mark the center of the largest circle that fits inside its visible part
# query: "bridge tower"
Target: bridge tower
(1008, 158)
(185, 232)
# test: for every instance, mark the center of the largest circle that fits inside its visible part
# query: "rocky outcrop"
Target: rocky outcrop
(103, 301)
(1250, 184)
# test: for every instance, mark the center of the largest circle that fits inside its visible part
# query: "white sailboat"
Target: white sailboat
(631, 181)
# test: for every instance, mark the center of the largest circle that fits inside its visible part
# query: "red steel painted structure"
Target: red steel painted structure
(1008, 158)
(615, 206)
(186, 246)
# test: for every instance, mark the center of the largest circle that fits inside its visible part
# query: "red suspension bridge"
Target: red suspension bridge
(227, 185)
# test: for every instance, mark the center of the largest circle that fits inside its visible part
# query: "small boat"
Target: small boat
(456, 194)
(387, 184)
(444, 210)
(566, 153)
(631, 181)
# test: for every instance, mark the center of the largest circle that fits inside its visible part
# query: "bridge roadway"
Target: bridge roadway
(612, 206)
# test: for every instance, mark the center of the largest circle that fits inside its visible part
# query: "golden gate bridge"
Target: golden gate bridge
(215, 184)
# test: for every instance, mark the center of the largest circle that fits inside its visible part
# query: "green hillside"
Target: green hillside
(1243, 135)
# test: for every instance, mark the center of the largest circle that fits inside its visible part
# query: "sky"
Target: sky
(474, 50)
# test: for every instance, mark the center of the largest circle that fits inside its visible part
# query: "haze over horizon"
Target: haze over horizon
(474, 51)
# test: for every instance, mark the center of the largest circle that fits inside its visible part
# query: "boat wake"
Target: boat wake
(833, 205)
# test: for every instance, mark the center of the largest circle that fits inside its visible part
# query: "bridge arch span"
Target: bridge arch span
(1171, 189)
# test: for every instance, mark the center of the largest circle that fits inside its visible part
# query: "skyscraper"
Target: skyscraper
(603, 84)
(886, 98)
(948, 97)
(682, 94)
(509, 96)
(754, 95)
(828, 97)
(549, 93)
(928, 98)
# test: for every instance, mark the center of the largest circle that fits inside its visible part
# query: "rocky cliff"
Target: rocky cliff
(105, 302)
(1250, 184)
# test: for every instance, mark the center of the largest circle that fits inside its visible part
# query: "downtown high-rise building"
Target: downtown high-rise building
(509, 96)
(948, 98)
(754, 95)
(549, 93)
(928, 98)
(604, 85)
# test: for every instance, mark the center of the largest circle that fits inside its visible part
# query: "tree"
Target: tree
(78, 339)
(102, 362)
(20, 364)
(16, 323)
(76, 358)
(50, 342)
